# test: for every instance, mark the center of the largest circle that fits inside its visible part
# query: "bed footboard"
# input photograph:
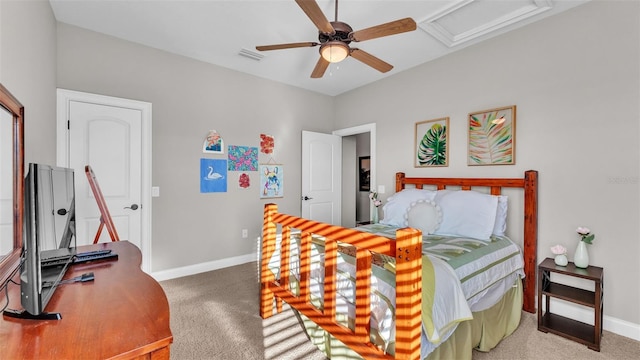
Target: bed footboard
(406, 250)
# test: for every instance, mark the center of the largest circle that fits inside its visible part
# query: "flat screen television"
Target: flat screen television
(49, 244)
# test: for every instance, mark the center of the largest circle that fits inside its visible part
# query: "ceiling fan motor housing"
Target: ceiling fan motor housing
(342, 31)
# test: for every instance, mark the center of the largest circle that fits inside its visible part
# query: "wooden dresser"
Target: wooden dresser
(122, 314)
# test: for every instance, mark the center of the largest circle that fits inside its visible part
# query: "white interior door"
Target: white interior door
(321, 177)
(108, 134)
(108, 139)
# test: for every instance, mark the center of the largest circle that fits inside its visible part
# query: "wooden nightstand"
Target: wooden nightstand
(578, 331)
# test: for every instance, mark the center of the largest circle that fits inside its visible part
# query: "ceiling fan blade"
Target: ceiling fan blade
(286, 46)
(390, 28)
(311, 8)
(371, 60)
(321, 67)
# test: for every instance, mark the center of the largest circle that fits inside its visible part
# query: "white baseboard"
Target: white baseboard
(585, 315)
(203, 267)
(615, 325)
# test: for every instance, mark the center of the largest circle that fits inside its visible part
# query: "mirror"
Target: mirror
(11, 182)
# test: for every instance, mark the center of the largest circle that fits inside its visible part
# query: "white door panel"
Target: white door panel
(107, 139)
(322, 212)
(321, 177)
(112, 135)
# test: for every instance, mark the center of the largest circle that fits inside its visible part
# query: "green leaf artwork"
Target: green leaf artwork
(491, 141)
(432, 150)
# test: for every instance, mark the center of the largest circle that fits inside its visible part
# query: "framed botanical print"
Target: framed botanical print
(492, 137)
(431, 143)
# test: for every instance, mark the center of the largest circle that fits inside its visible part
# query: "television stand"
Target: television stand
(23, 314)
(102, 318)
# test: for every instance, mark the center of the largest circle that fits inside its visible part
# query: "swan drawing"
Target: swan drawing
(212, 175)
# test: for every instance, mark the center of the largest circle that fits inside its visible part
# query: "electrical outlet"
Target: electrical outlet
(245, 233)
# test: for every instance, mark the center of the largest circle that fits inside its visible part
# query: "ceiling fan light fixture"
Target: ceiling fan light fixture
(334, 51)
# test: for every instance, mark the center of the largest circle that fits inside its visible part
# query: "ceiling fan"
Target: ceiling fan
(334, 38)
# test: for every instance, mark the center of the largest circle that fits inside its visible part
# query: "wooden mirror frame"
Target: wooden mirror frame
(10, 262)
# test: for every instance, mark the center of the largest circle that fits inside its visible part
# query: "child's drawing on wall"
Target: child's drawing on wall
(271, 181)
(213, 143)
(213, 175)
(244, 181)
(266, 144)
(243, 158)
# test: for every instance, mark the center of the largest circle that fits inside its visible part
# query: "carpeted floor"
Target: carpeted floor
(215, 315)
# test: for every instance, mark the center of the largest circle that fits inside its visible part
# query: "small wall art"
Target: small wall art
(213, 143)
(213, 175)
(432, 143)
(267, 143)
(271, 181)
(492, 137)
(244, 181)
(243, 158)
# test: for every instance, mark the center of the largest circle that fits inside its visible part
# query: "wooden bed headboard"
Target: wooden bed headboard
(530, 239)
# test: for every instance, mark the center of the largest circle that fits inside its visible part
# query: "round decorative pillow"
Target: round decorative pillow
(424, 215)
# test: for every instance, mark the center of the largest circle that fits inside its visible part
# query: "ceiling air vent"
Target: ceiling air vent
(250, 54)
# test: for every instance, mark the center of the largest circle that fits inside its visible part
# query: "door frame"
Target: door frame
(64, 97)
(361, 129)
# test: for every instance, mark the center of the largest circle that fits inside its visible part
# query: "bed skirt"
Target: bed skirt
(483, 333)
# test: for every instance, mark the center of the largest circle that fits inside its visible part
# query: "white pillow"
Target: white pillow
(467, 213)
(501, 216)
(424, 215)
(397, 204)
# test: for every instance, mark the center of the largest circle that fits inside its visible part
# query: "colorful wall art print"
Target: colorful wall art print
(492, 137)
(243, 158)
(267, 144)
(213, 143)
(213, 175)
(431, 143)
(244, 181)
(271, 181)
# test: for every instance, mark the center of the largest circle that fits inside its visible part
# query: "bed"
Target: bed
(347, 283)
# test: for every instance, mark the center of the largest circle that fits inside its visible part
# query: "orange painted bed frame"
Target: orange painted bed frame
(406, 249)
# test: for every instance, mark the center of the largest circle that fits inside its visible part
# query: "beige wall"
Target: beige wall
(576, 84)
(28, 70)
(189, 98)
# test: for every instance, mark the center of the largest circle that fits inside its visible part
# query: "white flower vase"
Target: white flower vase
(561, 260)
(581, 258)
(375, 216)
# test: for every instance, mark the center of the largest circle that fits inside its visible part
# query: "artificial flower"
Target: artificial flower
(373, 195)
(585, 234)
(558, 250)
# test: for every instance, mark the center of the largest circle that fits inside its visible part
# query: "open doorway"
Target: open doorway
(357, 142)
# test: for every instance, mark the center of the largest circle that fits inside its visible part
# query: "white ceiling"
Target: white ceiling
(216, 31)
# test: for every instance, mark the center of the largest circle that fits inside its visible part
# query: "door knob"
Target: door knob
(306, 198)
(62, 211)
(132, 207)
